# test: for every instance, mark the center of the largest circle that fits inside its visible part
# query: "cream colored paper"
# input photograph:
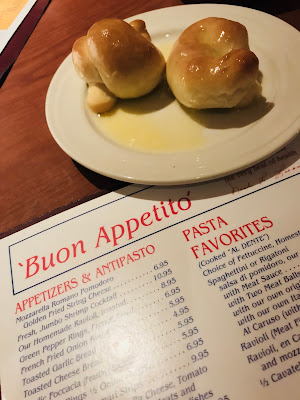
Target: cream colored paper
(9, 10)
(12, 13)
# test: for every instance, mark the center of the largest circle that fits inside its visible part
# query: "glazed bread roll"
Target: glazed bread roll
(129, 64)
(119, 56)
(211, 66)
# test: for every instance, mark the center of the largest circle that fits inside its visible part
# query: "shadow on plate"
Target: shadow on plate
(158, 99)
(162, 96)
(226, 118)
(231, 118)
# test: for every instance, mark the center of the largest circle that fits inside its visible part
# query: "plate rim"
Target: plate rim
(294, 126)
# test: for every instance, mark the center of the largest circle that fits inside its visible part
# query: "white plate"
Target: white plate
(233, 139)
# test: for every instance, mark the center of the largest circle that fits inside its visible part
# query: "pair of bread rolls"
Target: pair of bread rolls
(210, 64)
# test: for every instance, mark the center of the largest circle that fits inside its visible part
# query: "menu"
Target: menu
(12, 13)
(160, 293)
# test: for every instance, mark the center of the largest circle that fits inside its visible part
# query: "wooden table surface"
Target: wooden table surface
(37, 177)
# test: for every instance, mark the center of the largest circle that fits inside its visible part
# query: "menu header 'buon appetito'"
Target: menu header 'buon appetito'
(128, 230)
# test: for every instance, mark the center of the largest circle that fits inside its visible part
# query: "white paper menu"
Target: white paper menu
(12, 14)
(148, 293)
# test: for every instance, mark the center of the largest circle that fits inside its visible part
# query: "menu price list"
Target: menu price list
(97, 341)
(260, 281)
(92, 342)
(181, 311)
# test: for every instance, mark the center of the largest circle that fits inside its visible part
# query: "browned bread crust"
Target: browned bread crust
(121, 56)
(211, 66)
